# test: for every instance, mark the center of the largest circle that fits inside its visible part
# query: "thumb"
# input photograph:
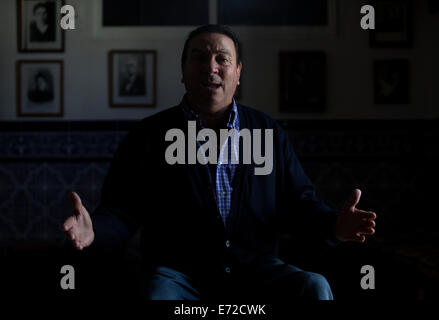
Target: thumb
(75, 201)
(353, 199)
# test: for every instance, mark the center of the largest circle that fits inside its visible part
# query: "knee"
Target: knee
(169, 284)
(162, 289)
(316, 286)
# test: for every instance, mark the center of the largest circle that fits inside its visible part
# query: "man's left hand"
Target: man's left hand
(353, 224)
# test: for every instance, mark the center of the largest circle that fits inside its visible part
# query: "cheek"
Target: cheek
(188, 78)
(232, 80)
(193, 75)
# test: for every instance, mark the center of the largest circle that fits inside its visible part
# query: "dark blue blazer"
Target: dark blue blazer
(175, 206)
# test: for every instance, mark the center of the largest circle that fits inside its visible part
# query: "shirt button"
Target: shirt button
(227, 269)
(228, 243)
(223, 193)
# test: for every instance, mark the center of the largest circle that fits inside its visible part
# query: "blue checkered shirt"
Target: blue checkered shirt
(220, 174)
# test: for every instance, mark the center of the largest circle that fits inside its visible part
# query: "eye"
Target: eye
(199, 57)
(222, 59)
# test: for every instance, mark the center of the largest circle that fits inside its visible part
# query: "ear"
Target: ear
(182, 75)
(238, 70)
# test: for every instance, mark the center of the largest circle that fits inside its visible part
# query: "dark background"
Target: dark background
(389, 151)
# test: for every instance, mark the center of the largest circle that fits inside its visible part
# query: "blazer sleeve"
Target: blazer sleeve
(119, 213)
(301, 210)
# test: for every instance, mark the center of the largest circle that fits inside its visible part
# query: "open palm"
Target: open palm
(353, 224)
(79, 226)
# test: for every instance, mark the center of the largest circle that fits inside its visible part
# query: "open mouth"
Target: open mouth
(211, 85)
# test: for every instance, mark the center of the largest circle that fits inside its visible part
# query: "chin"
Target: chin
(211, 99)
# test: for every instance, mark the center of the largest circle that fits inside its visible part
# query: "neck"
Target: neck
(214, 117)
(41, 25)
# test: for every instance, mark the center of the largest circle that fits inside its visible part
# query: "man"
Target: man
(41, 90)
(41, 30)
(209, 231)
(132, 82)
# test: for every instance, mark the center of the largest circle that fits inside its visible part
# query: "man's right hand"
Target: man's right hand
(79, 226)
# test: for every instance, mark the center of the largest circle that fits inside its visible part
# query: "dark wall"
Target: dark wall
(392, 162)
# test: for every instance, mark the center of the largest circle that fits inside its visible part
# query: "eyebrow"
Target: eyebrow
(221, 51)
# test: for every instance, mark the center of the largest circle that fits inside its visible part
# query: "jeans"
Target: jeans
(270, 280)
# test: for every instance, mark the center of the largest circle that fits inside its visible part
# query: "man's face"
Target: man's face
(41, 15)
(41, 84)
(131, 67)
(210, 72)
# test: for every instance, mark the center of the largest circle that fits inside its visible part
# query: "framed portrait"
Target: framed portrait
(302, 81)
(38, 26)
(393, 24)
(40, 88)
(433, 6)
(132, 78)
(274, 13)
(391, 81)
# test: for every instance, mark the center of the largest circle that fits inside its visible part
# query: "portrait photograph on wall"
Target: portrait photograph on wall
(393, 27)
(275, 12)
(132, 78)
(302, 83)
(40, 88)
(391, 81)
(38, 26)
(433, 6)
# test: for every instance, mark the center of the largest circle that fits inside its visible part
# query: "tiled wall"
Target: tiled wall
(391, 161)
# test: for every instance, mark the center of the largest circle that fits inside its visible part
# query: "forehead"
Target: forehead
(214, 42)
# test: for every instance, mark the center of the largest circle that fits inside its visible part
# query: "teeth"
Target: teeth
(211, 84)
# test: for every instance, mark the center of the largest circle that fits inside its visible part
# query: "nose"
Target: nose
(211, 65)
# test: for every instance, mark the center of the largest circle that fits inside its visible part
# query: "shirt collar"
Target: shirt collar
(232, 123)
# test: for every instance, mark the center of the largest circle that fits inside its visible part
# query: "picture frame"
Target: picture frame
(433, 6)
(394, 25)
(132, 78)
(391, 81)
(279, 13)
(40, 88)
(170, 32)
(38, 26)
(302, 81)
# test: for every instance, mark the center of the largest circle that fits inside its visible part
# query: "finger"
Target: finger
(353, 199)
(69, 223)
(71, 234)
(359, 238)
(75, 201)
(363, 214)
(367, 223)
(368, 231)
